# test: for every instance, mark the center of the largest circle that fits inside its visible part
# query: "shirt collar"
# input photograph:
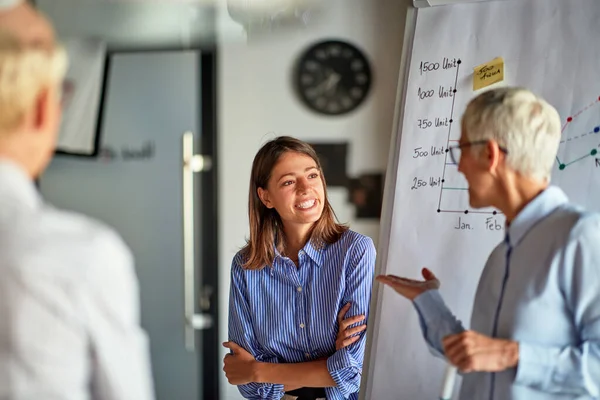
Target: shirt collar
(16, 185)
(316, 255)
(538, 209)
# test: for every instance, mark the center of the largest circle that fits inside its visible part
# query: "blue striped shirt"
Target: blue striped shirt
(288, 314)
(539, 288)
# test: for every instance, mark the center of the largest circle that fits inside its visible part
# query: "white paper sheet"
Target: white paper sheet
(549, 46)
(82, 96)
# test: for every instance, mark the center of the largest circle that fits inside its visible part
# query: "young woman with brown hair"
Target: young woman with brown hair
(294, 282)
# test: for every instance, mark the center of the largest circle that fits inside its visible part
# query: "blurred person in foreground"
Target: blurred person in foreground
(69, 307)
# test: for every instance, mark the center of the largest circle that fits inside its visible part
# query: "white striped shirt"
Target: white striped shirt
(69, 307)
(288, 314)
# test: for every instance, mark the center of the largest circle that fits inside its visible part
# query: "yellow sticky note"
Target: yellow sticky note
(488, 73)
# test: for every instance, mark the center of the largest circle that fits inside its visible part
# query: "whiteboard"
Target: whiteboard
(548, 46)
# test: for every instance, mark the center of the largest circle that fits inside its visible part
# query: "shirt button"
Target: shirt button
(307, 355)
(299, 289)
(302, 326)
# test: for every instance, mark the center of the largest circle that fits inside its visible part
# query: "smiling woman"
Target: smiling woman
(287, 188)
(300, 288)
(297, 191)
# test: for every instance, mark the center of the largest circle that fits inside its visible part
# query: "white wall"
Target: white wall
(133, 24)
(257, 103)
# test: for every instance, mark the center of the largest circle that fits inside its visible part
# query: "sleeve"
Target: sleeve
(572, 370)
(436, 320)
(8, 4)
(120, 364)
(241, 331)
(345, 365)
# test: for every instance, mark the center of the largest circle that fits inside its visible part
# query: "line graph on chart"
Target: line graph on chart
(453, 192)
(584, 145)
(579, 147)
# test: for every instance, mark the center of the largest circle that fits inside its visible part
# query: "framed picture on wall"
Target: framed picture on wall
(82, 97)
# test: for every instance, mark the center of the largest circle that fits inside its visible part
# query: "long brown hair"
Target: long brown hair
(266, 227)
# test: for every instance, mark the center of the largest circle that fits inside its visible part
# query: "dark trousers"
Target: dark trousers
(307, 393)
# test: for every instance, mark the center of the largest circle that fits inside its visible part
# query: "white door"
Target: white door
(136, 185)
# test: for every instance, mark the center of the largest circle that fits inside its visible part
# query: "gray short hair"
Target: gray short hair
(523, 123)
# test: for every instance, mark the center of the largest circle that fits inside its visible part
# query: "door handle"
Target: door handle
(192, 164)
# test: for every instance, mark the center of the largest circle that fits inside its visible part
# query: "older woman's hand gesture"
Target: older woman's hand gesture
(410, 288)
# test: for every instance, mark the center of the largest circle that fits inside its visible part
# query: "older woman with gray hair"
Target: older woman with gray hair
(69, 308)
(535, 325)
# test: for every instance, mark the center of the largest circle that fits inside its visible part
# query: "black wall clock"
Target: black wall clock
(332, 77)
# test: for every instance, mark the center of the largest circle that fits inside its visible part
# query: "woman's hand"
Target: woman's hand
(239, 367)
(344, 337)
(411, 288)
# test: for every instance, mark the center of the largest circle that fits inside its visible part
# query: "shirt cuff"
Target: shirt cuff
(273, 391)
(270, 391)
(345, 372)
(260, 391)
(430, 306)
(534, 368)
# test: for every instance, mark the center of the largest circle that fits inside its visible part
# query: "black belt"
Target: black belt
(308, 393)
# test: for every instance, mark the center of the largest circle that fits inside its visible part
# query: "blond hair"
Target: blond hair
(518, 120)
(24, 72)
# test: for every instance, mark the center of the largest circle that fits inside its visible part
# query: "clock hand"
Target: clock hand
(324, 86)
(332, 83)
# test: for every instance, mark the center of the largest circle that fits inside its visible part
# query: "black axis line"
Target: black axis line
(448, 138)
(469, 212)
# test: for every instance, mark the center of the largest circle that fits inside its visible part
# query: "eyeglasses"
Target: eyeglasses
(455, 151)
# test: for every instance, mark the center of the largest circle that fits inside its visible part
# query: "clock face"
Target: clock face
(333, 77)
